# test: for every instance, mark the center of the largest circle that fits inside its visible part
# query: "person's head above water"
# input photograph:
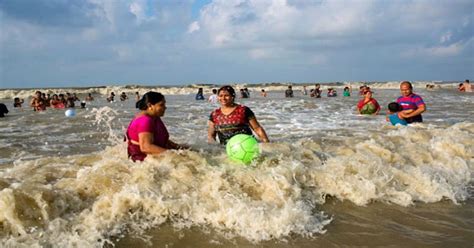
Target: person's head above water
(226, 95)
(406, 88)
(394, 107)
(153, 103)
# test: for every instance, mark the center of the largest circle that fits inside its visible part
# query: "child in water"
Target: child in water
(200, 94)
(396, 114)
(17, 102)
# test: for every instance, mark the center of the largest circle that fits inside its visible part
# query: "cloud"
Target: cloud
(446, 37)
(240, 39)
(440, 51)
(193, 27)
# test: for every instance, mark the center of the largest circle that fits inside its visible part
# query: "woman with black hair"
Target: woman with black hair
(147, 134)
(231, 119)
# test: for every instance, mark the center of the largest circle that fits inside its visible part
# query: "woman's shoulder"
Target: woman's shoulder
(216, 111)
(140, 118)
(241, 106)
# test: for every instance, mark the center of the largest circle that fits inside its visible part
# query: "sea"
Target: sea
(328, 178)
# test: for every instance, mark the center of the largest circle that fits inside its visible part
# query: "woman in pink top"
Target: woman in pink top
(147, 134)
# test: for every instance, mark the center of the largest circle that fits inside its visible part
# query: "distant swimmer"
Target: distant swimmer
(199, 95)
(347, 91)
(368, 105)
(37, 102)
(70, 99)
(111, 97)
(57, 103)
(63, 100)
(396, 115)
(17, 102)
(137, 96)
(466, 86)
(304, 91)
(46, 99)
(232, 119)
(3, 110)
(213, 98)
(263, 93)
(316, 92)
(243, 94)
(412, 101)
(247, 92)
(74, 96)
(123, 97)
(289, 92)
(147, 134)
(331, 92)
(89, 97)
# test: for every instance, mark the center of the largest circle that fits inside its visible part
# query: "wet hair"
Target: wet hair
(263, 90)
(227, 88)
(394, 107)
(408, 83)
(151, 97)
(214, 91)
(467, 80)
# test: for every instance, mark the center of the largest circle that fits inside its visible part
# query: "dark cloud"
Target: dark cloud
(57, 13)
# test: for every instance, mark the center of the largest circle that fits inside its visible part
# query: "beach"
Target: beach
(329, 177)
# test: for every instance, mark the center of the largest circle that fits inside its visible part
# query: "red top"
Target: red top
(361, 104)
(236, 122)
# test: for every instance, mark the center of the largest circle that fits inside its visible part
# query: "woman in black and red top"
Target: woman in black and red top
(231, 119)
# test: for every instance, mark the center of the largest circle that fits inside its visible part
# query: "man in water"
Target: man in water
(3, 110)
(289, 92)
(409, 100)
(466, 86)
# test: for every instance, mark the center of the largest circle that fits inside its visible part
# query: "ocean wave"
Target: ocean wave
(192, 89)
(87, 200)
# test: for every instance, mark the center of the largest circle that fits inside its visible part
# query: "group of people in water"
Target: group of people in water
(465, 87)
(147, 134)
(40, 101)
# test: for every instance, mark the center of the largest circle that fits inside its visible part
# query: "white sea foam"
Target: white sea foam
(67, 181)
(192, 89)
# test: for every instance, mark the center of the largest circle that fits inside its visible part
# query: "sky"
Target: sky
(62, 43)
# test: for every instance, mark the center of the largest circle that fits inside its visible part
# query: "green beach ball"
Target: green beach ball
(243, 148)
(368, 109)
